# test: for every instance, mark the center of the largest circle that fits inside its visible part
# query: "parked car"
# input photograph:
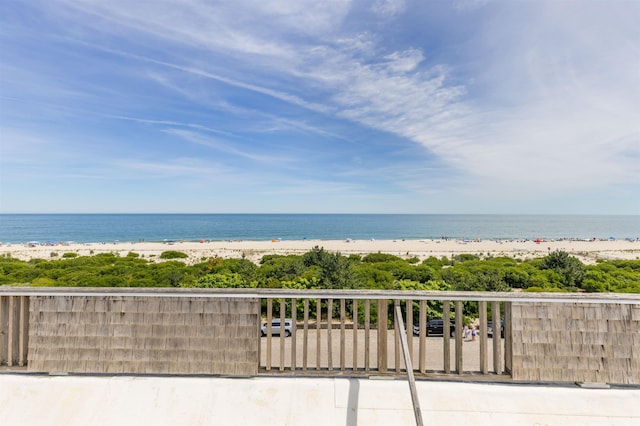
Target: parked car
(275, 327)
(435, 327)
(490, 328)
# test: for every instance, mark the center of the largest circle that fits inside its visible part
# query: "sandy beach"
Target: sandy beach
(586, 251)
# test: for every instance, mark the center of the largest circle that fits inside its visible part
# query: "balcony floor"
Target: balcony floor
(134, 400)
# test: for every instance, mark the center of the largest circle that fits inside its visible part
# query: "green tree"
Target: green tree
(569, 268)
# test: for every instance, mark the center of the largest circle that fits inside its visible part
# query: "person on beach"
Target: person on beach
(473, 333)
(465, 332)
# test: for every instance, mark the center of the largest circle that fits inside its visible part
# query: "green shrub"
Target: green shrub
(465, 257)
(380, 257)
(172, 254)
(43, 282)
(69, 255)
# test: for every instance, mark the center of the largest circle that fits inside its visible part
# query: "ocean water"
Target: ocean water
(19, 228)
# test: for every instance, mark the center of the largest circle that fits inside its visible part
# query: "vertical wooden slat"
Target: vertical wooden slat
(342, 345)
(497, 338)
(507, 338)
(409, 310)
(484, 357)
(329, 326)
(382, 335)
(446, 317)
(396, 338)
(269, 314)
(367, 326)
(258, 320)
(294, 334)
(318, 318)
(11, 328)
(24, 330)
(355, 334)
(458, 336)
(305, 338)
(423, 336)
(3, 327)
(283, 311)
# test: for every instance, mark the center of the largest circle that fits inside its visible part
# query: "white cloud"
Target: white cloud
(404, 61)
(532, 95)
(389, 8)
(226, 147)
(563, 112)
(470, 4)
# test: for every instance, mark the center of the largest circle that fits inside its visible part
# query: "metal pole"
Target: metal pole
(409, 366)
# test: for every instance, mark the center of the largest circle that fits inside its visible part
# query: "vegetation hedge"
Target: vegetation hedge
(321, 269)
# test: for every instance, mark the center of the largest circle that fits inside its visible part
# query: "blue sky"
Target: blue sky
(468, 106)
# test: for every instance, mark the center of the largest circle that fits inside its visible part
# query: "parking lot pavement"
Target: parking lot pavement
(433, 350)
(135, 400)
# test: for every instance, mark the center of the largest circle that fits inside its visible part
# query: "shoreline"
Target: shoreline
(588, 251)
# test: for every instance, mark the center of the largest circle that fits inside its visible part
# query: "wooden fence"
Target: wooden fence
(14, 327)
(547, 337)
(361, 336)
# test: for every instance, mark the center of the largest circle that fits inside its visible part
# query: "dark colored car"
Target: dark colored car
(435, 327)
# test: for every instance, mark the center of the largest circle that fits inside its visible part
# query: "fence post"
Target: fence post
(354, 314)
(367, 328)
(3, 324)
(329, 327)
(318, 319)
(305, 338)
(11, 329)
(497, 338)
(484, 359)
(423, 336)
(508, 341)
(342, 334)
(382, 335)
(283, 334)
(24, 330)
(459, 336)
(446, 338)
(294, 332)
(269, 314)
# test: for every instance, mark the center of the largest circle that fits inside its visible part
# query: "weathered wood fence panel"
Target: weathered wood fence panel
(144, 335)
(581, 342)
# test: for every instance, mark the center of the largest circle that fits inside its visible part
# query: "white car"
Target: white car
(275, 327)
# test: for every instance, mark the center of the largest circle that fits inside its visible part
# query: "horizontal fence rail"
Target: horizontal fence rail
(598, 298)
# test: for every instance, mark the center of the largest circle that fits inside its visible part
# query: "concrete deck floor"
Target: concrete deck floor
(27, 399)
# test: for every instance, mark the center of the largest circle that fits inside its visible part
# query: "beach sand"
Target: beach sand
(586, 251)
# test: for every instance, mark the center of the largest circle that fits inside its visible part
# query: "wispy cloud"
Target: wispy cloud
(224, 146)
(471, 97)
(389, 8)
